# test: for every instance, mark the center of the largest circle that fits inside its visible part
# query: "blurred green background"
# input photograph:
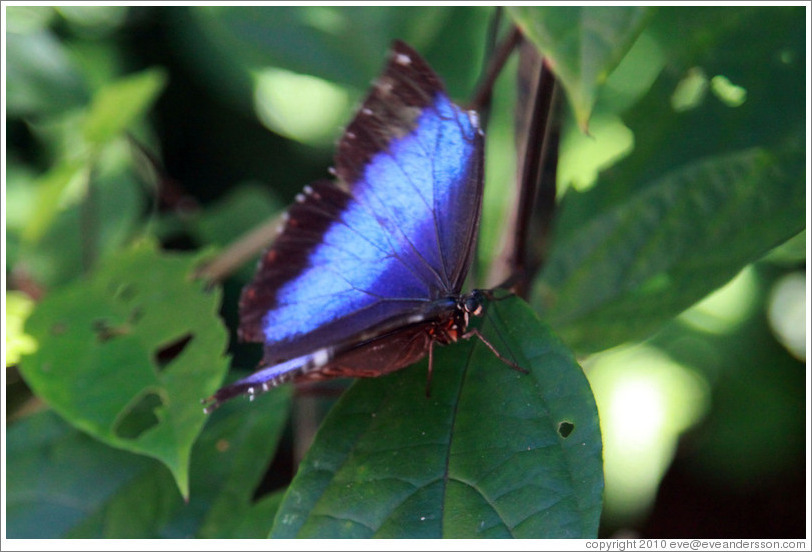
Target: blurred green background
(704, 423)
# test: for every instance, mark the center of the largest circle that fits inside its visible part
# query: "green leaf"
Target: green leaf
(318, 41)
(136, 510)
(50, 190)
(582, 44)
(239, 212)
(41, 78)
(128, 354)
(625, 273)
(484, 456)
(255, 521)
(717, 41)
(119, 104)
(57, 476)
(86, 489)
(28, 19)
(230, 460)
(56, 258)
(18, 308)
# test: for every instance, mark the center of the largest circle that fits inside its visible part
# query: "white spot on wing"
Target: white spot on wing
(413, 319)
(320, 358)
(308, 190)
(385, 86)
(403, 59)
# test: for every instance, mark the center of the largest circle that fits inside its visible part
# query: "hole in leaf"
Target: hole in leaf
(125, 291)
(565, 429)
(167, 354)
(140, 418)
(136, 315)
(105, 331)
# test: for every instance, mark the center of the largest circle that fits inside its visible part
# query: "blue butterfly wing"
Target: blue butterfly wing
(389, 239)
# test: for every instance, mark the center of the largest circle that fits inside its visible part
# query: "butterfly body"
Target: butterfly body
(366, 274)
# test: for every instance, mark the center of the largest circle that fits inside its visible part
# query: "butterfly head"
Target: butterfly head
(455, 327)
(473, 303)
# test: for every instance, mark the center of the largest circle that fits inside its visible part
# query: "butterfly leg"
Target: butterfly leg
(431, 369)
(476, 333)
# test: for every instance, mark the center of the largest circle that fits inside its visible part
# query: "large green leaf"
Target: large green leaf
(645, 260)
(739, 215)
(582, 44)
(57, 476)
(86, 489)
(103, 348)
(492, 453)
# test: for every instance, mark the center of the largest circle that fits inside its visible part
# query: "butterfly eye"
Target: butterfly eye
(473, 304)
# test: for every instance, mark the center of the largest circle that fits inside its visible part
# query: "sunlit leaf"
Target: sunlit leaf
(119, 104)
(582, 44)
(18, 308)
(50, 191)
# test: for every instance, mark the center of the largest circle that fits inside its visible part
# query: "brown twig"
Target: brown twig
(482, 96)
(239, 252)
(512, 268)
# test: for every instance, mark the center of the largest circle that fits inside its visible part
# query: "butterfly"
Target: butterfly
(366, 274)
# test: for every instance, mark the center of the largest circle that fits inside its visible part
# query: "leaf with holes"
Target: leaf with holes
(127, 355)
(492, 453)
